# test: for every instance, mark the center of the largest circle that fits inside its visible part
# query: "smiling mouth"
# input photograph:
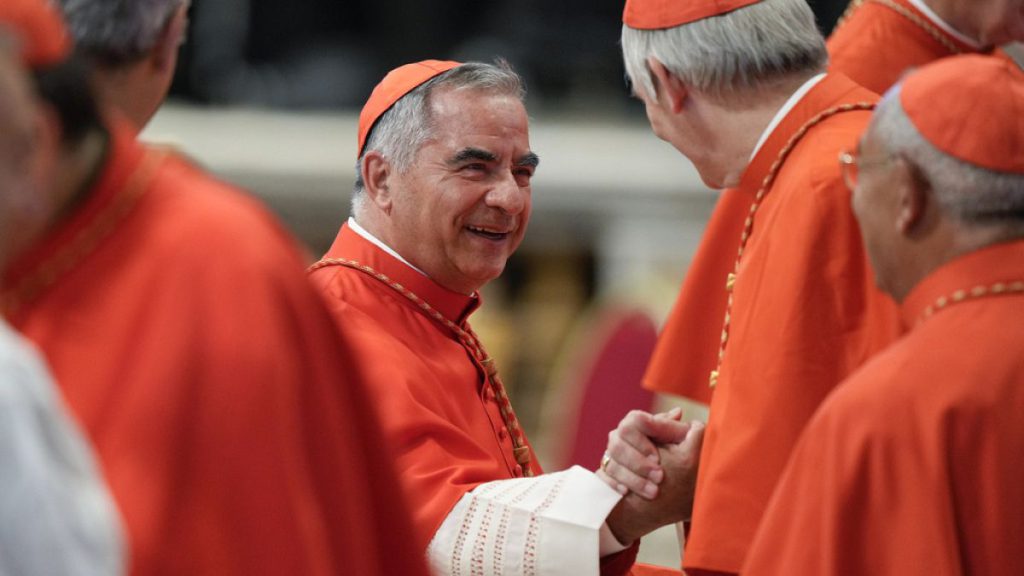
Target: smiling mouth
(488, 233)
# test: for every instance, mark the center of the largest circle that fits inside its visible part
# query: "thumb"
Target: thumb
(694, 436)
(664, 430)
(673, 414)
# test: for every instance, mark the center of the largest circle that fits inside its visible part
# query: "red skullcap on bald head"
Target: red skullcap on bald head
(971, 108)
(396, 84)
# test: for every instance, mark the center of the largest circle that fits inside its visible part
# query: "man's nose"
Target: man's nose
(508, 195)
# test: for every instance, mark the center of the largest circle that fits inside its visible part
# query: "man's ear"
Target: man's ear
(165, 52)
(914, 196)
(376, 172)
(668, 85)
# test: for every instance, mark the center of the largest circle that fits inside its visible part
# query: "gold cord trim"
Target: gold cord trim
(929, 28)
(975, 293)
(748, 225)
(469, 339)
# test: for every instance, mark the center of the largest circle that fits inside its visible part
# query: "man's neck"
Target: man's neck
(367, 233)
(957, 15)
(745, 124)
(127, 90)
(945, 241)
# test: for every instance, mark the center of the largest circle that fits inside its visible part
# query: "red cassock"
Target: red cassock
(439, 402)
(225, 408)
(687, 348)
(914, 465)
(804, 314)
(879, 41)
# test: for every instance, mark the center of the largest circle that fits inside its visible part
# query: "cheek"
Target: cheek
(653, 118)
(25, 212)
(1007, 25)
(527, 209)
(867, 218)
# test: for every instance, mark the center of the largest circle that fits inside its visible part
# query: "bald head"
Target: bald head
(937, 182)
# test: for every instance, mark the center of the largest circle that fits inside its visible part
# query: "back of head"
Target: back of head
(727, 50)
(118, 32)
(970, 149)
(399, 130)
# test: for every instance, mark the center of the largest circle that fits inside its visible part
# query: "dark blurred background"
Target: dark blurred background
(328, 54)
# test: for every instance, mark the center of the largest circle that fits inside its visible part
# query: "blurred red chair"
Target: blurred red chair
(597, 384)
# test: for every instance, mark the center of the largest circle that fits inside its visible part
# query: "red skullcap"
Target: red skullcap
(657, 14)
(396, 84)
(39, 28)
(972, 108)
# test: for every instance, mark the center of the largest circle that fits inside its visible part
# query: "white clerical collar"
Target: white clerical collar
(379, 243)
(945, 27)
(793, 100)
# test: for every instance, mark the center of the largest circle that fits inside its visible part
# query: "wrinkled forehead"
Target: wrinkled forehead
(464, 114)
(460, 99)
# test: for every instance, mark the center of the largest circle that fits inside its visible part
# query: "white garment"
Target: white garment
(549, 525)
(56, 516)
(358, 229)
(793, 100)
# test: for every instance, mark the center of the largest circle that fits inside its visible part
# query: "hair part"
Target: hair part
(118, 32)
(404, 128)
(731, 56)
(971, 195)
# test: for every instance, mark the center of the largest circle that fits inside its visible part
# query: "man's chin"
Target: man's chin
(481, 276)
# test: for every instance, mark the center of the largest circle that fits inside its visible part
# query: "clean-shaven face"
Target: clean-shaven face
(875, 208)
(461, 209)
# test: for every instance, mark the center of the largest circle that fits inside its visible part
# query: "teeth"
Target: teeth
(485, 230)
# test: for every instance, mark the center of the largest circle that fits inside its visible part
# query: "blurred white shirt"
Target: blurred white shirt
(56, 515)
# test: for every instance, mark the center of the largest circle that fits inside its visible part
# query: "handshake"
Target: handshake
(652, 460)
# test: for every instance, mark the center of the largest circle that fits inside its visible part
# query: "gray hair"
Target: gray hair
(407, 125)
(969, 194)
(118, 32)
(732, 55)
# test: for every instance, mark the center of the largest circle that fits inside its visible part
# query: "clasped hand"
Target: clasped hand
(652, 459)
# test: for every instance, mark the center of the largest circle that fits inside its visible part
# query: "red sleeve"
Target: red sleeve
(620, 563)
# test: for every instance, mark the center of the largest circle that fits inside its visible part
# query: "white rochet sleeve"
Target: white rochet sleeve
(549, 525)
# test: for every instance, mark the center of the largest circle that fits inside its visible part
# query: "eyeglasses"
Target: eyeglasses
(851, 164)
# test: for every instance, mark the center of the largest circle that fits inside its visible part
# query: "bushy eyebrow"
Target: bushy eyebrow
(529, 159)
(472, 154)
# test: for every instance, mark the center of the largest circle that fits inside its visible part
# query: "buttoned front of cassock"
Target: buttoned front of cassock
(448, 439)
